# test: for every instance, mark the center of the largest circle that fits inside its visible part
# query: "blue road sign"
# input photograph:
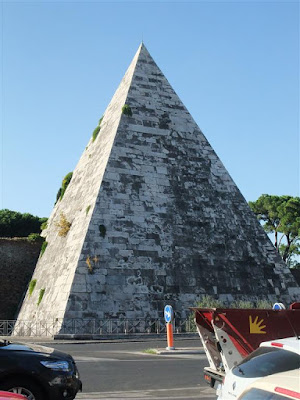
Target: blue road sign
(278, 306)
(169, 314)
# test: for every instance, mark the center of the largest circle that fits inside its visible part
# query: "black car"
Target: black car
(38, 372)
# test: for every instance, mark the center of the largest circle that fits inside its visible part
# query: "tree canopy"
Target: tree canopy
(280, 215)
(16, 224)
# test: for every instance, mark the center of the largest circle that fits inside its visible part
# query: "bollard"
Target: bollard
(170, 337)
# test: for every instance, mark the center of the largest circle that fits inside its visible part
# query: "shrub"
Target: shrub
(64, 225)
(241, 304)
(263, 304)
(31, 287)
(44, 225)
(95, 133)
(58, 195)
(100, 120)
(43, 248)
(34, 237)
(65, 183)
(41, 295)
(209, 302)
(126, 110)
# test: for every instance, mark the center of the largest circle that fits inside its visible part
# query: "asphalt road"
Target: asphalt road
(122, 370)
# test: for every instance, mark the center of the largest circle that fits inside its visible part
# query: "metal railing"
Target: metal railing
(93, 327)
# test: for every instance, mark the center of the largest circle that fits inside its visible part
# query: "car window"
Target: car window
(258, 394)
(266, 361)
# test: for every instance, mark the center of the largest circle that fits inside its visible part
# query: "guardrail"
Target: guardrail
(93, 327)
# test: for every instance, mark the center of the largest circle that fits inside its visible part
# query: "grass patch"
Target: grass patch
(41, 295)
(31, 287)
(95, 132)
(149, 351)
(43, 248)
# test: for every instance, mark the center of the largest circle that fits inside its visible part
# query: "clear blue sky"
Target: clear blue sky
(235, 65)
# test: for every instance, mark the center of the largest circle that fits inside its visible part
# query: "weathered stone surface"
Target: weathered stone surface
(18, 258)
(165, 221)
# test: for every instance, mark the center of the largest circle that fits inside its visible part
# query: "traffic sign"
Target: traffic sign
(169, 314)
(278, 306)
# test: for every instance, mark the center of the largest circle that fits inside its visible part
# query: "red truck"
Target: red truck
(228, 335)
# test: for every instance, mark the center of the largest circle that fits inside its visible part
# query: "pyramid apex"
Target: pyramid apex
(142, 46)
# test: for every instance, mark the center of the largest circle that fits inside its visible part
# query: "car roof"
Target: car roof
(290, 344)
(286, 383)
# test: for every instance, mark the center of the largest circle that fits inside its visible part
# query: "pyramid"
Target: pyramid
(150, 217)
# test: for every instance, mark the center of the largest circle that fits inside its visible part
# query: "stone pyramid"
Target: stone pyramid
(150, 217)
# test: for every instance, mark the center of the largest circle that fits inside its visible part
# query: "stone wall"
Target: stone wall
(18, 258)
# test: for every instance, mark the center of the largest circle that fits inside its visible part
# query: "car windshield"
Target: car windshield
(266, 361)
(258, 394)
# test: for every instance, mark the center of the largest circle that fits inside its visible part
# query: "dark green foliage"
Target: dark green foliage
(65, 183)
(95, 133)
(43, 248)
(31, 287)
(102, 231)
(41, 295)
(15, 224)
(58, 195)
(100, 120)
(126, 110)
(280, 215)
(34, 237)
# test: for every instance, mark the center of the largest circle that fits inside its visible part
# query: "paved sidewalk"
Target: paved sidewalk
(182, 350)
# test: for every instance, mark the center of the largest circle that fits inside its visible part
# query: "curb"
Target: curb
(164, 352)
(140, 336)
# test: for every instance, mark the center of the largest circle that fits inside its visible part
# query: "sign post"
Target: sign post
(169, 317)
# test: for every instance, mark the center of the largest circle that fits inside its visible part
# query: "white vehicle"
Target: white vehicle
(270, 358)
(282, 386)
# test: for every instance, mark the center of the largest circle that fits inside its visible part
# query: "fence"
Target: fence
(93, 327)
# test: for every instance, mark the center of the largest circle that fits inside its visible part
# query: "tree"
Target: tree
(280, 215)
(15, 224)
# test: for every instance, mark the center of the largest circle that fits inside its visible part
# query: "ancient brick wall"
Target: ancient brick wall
(18, 258)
